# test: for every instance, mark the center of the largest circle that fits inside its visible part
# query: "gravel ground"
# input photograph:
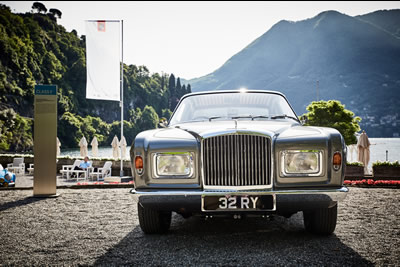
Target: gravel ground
(100, 227)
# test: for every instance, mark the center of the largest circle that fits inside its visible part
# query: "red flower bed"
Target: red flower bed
(371, 182)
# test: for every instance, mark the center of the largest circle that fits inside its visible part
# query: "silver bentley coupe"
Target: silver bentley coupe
(238, 153)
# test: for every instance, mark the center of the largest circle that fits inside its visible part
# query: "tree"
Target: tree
(166, 113)
(333, 114)
(40, 7)
(34, 49)
(162, 82)
(172, 92)
(55, 12)
(15, 132)
(69, 129)
(183, 90)
(148, 120)
(188, 89)
(178, 86)
(171, 84)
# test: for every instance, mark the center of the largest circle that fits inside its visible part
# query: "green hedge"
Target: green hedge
(356, 163)
(386, 163)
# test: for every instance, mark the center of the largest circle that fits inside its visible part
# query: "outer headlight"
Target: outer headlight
(177, 164)
(301, 162)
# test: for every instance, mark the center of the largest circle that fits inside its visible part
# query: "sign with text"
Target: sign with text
(45, 141)
(45, 90)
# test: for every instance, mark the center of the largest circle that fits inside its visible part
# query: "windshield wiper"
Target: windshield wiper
(213, 118)
(243, 117)
(284, 116)
(250, 117)
(260, 117)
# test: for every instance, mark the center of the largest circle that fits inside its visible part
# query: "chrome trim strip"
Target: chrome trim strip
(335, 194)
(238, 188)
(236, 132)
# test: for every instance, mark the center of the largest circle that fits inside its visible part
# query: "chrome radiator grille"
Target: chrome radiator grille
(236, 160)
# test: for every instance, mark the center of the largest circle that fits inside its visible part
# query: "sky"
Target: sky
(192, 39)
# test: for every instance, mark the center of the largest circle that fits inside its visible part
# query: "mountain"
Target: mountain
(354, 59)
(388, 20)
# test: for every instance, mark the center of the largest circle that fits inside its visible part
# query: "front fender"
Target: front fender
(326, 140)
(148, 143)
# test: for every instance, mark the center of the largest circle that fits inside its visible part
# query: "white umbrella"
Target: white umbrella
(363, 145)
(58, 147)
(122, 144)
(83, 145)
(115, 144)
(95, 145)
(351, 150)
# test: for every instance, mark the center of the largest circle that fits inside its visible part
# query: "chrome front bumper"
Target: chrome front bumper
(285, 200)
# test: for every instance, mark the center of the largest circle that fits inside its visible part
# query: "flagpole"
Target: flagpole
(122, 92)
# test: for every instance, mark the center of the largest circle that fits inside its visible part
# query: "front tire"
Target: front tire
(154, 221)
(321, 221)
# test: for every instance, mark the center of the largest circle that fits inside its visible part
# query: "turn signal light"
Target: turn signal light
(337, 161)
(139, 164)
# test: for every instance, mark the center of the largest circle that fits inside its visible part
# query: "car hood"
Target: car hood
(283, 129)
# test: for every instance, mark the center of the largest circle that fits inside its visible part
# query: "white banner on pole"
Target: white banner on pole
(103, 60)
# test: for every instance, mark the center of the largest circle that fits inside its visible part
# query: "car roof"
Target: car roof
(241, 90)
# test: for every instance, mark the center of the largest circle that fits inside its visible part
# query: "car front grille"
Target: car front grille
(236, 160)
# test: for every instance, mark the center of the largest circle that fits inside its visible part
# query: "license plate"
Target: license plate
(237, 203)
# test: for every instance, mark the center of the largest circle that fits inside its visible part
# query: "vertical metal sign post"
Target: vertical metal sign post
(121, 173)
(45, 141)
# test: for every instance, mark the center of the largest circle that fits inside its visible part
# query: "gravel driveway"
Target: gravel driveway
(100, 227)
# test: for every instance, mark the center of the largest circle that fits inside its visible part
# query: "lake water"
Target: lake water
(104, 152)
(378, 149)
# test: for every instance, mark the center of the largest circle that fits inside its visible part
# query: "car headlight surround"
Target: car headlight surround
(301, 163)
(173, 165)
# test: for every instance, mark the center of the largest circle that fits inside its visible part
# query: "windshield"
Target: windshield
(246, 106)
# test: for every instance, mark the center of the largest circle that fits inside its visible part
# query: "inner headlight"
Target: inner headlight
(175, 164)
(301, 162)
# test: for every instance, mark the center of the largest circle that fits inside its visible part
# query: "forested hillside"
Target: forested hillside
(34, 49)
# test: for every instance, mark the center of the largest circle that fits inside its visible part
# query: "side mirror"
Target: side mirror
(303, 120)
(163, 124)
